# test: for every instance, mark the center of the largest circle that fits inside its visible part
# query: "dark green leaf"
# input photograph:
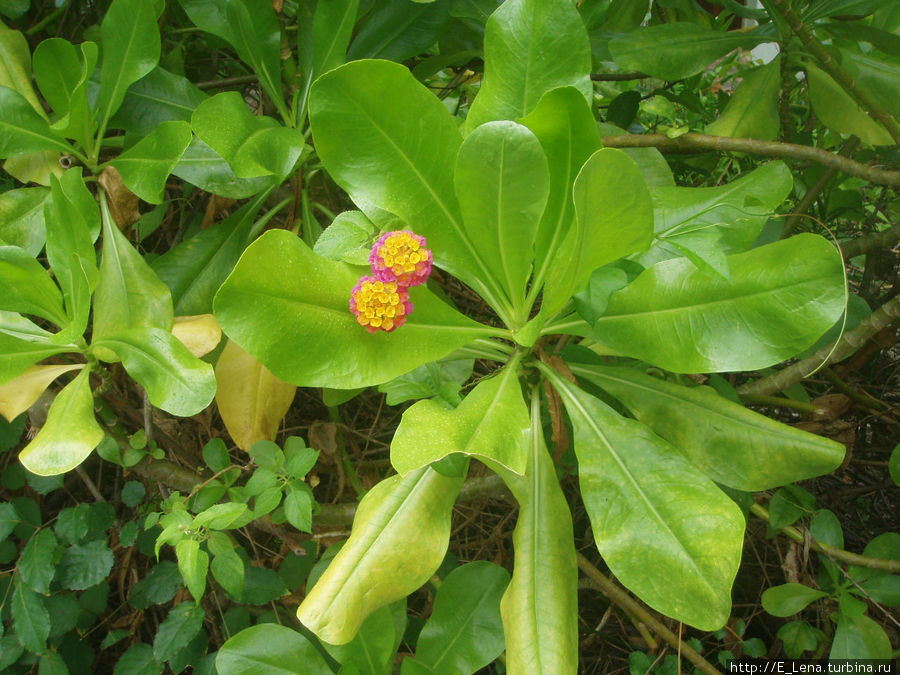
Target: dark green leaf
(799, 637)
(36, 566)
(201, 166)
(442, 379)
(272, 649)
(146, 166)
(261, 586)
(158, 587)
(138, 660)
(84, 565)
(9, 518)
(28, 288)
(158, 97)
(133, 493)
(859, 637)
(22, 130)
(30, 619)
(397, 31)
(180, 626)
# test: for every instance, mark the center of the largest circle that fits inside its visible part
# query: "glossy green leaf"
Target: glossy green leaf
(675, 316)
(22, 218)
(175, 380)
(158, 97)
(253, 146)
(399, 538)
(518, 41)
(69, 434)
(397, 154)
(540, 606)
(502, 183)
(491, 423)
(839, 112)
(15, 65)
(17, 354)
(200, 165)
(665, 530)
(35, 565)
(131, 48)
(22, 130)
(319, 342)
(752, 111)
(613, 218)
(62, 71)
(31, 620)
(28, 287)
(371, 651)
(146, 166)
(270, 648)
(859, 637)
(673, 51)
(129, 294)
(396, 31)
(323, 39)
(567, 131)
(731, 444)
(193, 563)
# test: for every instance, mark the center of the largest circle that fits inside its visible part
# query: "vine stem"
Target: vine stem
(636, 609)
(692, 142)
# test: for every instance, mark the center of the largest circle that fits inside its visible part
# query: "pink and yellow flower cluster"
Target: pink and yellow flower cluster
(399, 260)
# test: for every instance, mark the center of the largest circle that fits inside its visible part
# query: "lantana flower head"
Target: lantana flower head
(401, 256)
(380, 305)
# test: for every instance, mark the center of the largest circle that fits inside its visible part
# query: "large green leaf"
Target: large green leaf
(323, 40)
(318, 342)
(491, 423)
(16, 354)
(15, 65)
(398, 31)
(613, 218)
(270, 648)
(531, 47)
(673, 51)
(877, 74)
(540, 606)
(859, 637)
(399, 538)
(780, 299)
(22, 130)
(372, 651)
(200, 165)
(62, 72)
(502, 183)
(27, 287)
(567, 131)
(69, 434)
(397, 154)
(22, 218)
(731, 444)
(131, 47)
(158, 97)
(175, 380)
(464, 632)
(146, 166)
(752, 111)
(665, 530)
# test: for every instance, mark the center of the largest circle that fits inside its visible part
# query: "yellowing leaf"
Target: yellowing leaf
(200, 333)
(252, 401)
(34, 167)
(20, 393)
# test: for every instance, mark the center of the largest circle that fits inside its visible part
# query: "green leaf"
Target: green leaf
(16, 355)
(490, 423)
(502, 183)
(158, 97)
(279, 276)
(22, 218)
(369, 146)
(441, 379)
(228, 569)
(398, 31)
(674, 51)
(9, 519)
(380, 562)
(70, 433)
(193, 565)
(195, 269)
(175, 380)
(15, 65)
(220, 516)
(371, 651)
(839, 112)
(613, 218)
(894, 465)
(272, 649)
(28, 287)
(138, 660)
(62, 72)
(464, 632)
(22, 130)
(799, 637)
(877, 75)
(51, 663)
(267, 454)
(30, 619)
(788, 599)
(731, 444)
(84, 565)
(36, 567)
(158, 587)
(349, 238)
(752, 111)
(677, 317)
(131, 47)
(146, 166)
(298, 505)
(253, 146)
(323, 41)
(201, 166)
(518, 40)
(859, 637)
(180, 626)
(665, 530)
(133, 493)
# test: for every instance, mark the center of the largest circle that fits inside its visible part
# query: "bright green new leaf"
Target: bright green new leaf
(193, 563)
(531, 47)
(28, 288)
(839, 112)
(31, 620)
(22, 130)
(15, 65)
(22, 218)
(62, 72)
(175, 380)
(781, 298)
(859, 637)
(731, 444)
(613, 218)
(201, 166)
(752, 111)
(69, 434)
(158, 97)
(253, 146)
(146, 166)
(502, 184)
(318, 342)
(272, 649)
(399, 538)
(673, 51)
(129, 294)
(490, 423)
(665, 530)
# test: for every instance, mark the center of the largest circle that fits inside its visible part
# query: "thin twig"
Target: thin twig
(619, 77)
(225, 82)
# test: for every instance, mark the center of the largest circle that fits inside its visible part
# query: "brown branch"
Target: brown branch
(871, 242)
(849, 342)
(692, 142)
(619, 77)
